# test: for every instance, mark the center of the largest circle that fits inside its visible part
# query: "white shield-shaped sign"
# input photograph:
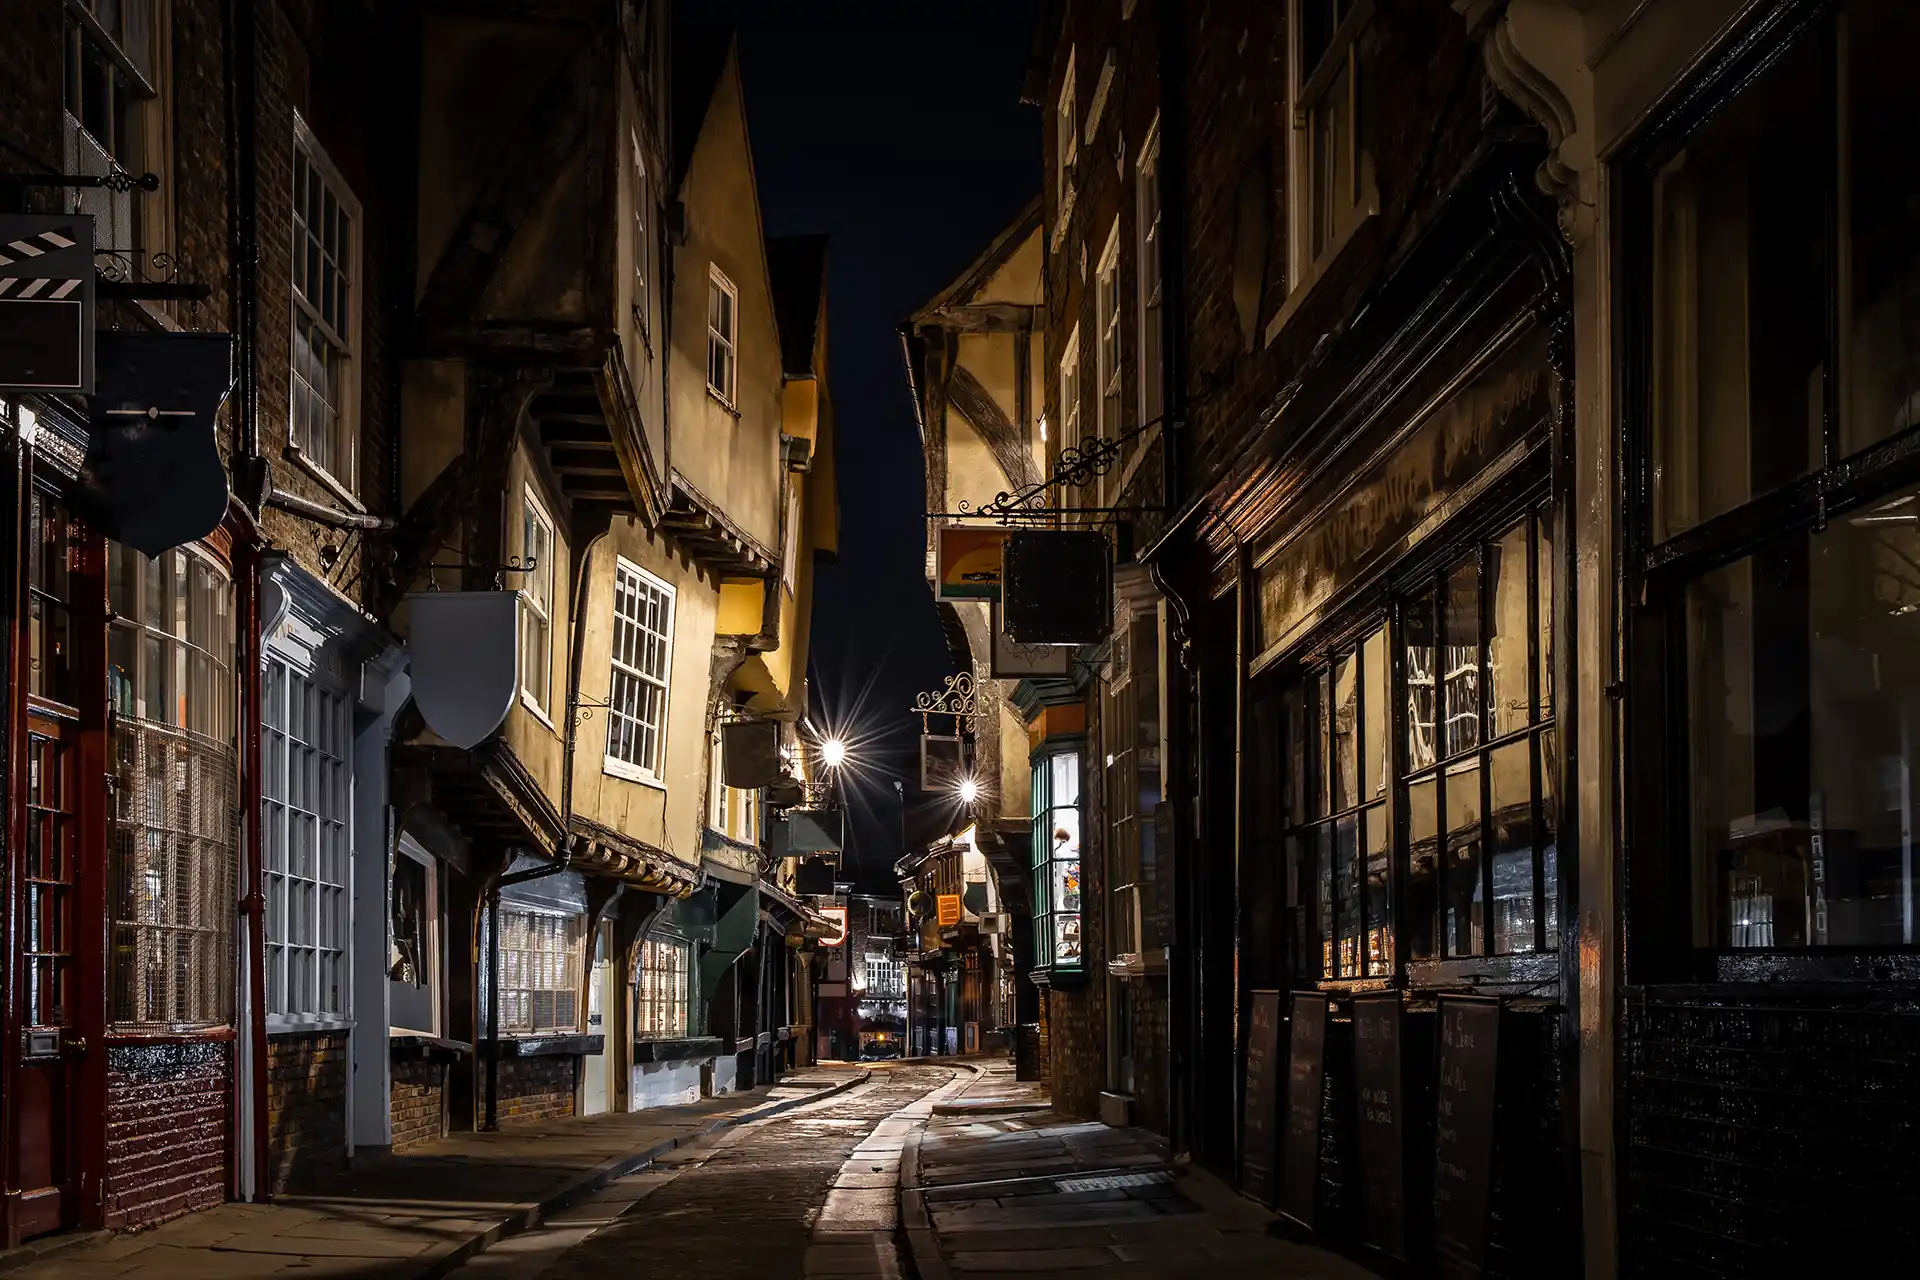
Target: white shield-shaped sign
(465, 655)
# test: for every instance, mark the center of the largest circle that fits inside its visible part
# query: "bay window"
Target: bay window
(540, 951)
(306, 741)
(1056, 859)
(662, 990)
(1778, 278)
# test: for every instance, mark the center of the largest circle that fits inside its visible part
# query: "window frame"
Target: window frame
(653, 774)
(534, 512)
(572, 952)
(280, 883)
(341, 478)
(1042, 807)
(1307, 88)
(641, 197)
(719, 285)
(1149, 282)
(648, 1002)
(430, 934)
(1066, 117)
(1657, 843)
(1069, 404)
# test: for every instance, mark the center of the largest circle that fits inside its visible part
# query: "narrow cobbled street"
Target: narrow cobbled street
(807, 1193)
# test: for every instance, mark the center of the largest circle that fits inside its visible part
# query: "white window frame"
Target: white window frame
(728, 341)
(790, 555)
(650, 998)
(1107, 354)
(340, 331)
(1307, 89)
(136, 100)
(1147, 274)
(1070, 402)
(630, 665)
(307, 781)
(536, 603)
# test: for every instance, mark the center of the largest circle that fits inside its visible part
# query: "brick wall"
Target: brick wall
(168, 1112)
(306, 1108)
(417, 1102)
(1150, 1065)
(533, 1090)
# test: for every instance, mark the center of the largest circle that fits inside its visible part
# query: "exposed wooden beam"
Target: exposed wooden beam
(986, 317)
(1007, 442)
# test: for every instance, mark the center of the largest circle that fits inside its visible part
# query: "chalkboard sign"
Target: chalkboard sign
(1259, 1140)
(1306, 1077)
(1463, 1132)
(1381, 1112)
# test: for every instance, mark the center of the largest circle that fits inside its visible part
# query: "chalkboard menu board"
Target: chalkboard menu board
(1259, 1139)
(1381, 1113)
(1463, 1132)
(1306, 1077)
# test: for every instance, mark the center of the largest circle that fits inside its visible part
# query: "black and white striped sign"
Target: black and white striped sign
(46, 302)
(23, 251)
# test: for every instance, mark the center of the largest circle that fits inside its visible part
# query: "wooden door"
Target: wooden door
(46, 1103)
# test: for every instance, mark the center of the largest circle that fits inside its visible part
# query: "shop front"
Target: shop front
(1389, 590)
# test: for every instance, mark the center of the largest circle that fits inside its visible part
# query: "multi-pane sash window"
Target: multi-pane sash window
(1780, 269)
(109, 82)
(539, 970)
(642, 196)
(1332, 88)
(1066, 123)
(1107, 302)
(306, 794)
(1056, 860)
(1147, 265)
(324, 300)
(723, 317)
(536, 605)
(171, 857)
(1473, 771)
(642, 665)
(51, 532)
(662, 990)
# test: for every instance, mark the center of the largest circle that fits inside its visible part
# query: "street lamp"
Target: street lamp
(833, 752)
(969, 791)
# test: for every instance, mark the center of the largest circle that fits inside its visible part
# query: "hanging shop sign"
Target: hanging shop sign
(967, 562)
(153, 478)
(1058, 587)
(949, 909)
(815, 830)
(943, 763)
(46, 303)
(750, 753)
(466, 661)
(837, 918)
(1015, 661)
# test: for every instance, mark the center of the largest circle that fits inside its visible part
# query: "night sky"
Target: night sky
(895, 129)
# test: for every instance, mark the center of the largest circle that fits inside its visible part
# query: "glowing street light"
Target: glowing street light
(969, 791)
(833, 752)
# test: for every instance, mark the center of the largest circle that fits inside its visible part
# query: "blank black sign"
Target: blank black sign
(1259, 1142)
(1382, 1123)
(1463, 1132)
(1306, 1077)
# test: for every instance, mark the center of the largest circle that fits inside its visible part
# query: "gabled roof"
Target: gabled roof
(796, 273)
(700, 52)
(978, 272)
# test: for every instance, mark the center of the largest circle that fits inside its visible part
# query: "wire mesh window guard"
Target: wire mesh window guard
(662, 996)
(306, 782)
(539, 971)
(642, 661)
(172, 857)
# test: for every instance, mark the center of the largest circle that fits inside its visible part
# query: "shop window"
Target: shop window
(171, 857)
(642, 664)
(662, 990)
(1130, 740)
(306, 741)
(540, 954)
(414, 962)
(1056, 870)
(1473, 771)
(50, 552)
(1782, 273)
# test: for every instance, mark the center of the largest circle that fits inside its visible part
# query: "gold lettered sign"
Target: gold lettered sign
(949, 909)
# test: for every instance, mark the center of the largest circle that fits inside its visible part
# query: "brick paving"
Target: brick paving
(420, 1215)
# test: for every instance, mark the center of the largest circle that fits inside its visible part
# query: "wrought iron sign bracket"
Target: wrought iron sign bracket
(514, 564)
(117, 181)
(955, 699)
(1077, 467)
